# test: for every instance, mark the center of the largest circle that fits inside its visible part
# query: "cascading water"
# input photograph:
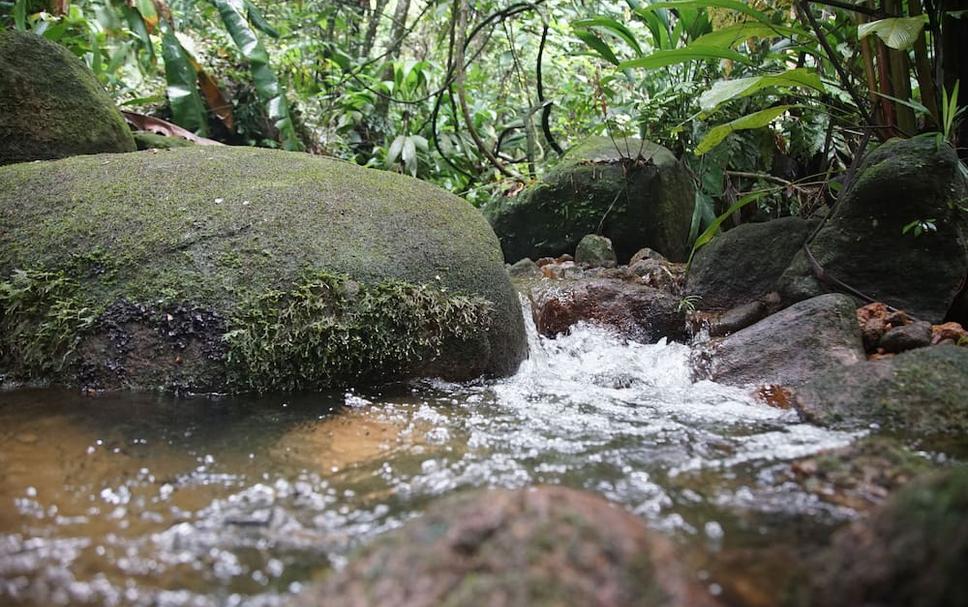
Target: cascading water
(141, 499)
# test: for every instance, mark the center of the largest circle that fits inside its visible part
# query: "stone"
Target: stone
(918, 393)
(594, 250)
(809, 339)
(635, 311)
(949, 332)
(745, 263)
(912, 552)
(51, 105)
(907, 337)
(738, 318)
(152, 141)
(525, 268)
(864, 243)
(238, 269)
(502, 548)
(876, 319)
(637, 194)
(646, 253)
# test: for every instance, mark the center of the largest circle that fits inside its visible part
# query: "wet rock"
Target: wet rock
(745, 263)
(638, 312)
(864, 244)
(861, 476)
(646, 253)
(806, 340)
(912, 553)
(737, 318)
(876, 319)
(541, 546)
(595, 250)
(637, 194)
(322, 273)
(907, 337)
(525, 268)
(920, 392)
(51, 105)
(660, 274)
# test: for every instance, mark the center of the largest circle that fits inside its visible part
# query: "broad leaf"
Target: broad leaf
(259, 21)
(897, 32)
(186, 105)
(20, 15)
(713, 229)
(598, 45)
(681, 55)
(727, 90)
(695, 4)
(741, 32)
(612, 26)
(755, 120)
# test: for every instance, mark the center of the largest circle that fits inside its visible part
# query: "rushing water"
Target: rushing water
(149, 500)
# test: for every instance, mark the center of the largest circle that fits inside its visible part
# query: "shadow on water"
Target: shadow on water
(139, 499)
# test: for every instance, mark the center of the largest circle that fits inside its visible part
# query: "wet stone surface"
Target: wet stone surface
(149, 500)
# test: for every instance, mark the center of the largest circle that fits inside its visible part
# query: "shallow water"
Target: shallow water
(150, 500)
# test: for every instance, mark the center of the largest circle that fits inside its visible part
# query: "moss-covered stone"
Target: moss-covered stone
(152, 141)
(920, 392)
(289, 256)
(911, 553)
(51, 105)
(595, 250)
(864, 243)
(636, 193)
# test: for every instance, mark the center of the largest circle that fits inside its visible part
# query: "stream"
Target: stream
(143, 499)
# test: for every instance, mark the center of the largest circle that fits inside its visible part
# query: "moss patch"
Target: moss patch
(51, 105)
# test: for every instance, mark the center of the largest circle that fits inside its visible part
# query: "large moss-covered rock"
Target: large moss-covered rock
(864, 244)
(51, 105)
(911, 553)
(635, 193)
(546, 546)
(920, 392)
(745, 263)
(214, 268)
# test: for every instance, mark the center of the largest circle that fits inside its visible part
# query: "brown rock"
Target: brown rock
(500, 548)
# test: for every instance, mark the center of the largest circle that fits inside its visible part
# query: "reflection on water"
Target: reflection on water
(148, 500)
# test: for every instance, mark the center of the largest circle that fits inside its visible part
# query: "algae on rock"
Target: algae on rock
(175, 248)
(51, 105)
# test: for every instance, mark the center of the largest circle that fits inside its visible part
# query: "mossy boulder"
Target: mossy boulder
(595, 250)
(920, 392)
(153, 141)
(634, 192)
(544, 546)
(219, 268)
(865, 245)
(51, 105)
(911, 553)
(745, 263)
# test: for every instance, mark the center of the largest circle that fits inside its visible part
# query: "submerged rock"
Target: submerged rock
(635, 193)
(638, 312)
(217, 268)
(542, 546)
(864, 243)
(911, 553)
(809, 339)
(920, 392)
(595, 250)
(745, 263)
(51, 105)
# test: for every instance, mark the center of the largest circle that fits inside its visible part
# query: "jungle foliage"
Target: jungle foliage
(768, 102)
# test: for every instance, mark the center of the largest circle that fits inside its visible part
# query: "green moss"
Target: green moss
(328, 330)
(147, 141)
(42, 318)
(221, 227)
(52, 105)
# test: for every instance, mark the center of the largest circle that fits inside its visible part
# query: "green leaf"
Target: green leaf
(598, 45)
(395, 148)
(897, 32)
(755, 120)
(259, 21)
(137, 26)
(696, 4)
(409, 156)
(187, 108)
(681, 55)
(713, 229)
(612, 26)
(741, 32)
(727, 90)
(20, 15)
(266, 84)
